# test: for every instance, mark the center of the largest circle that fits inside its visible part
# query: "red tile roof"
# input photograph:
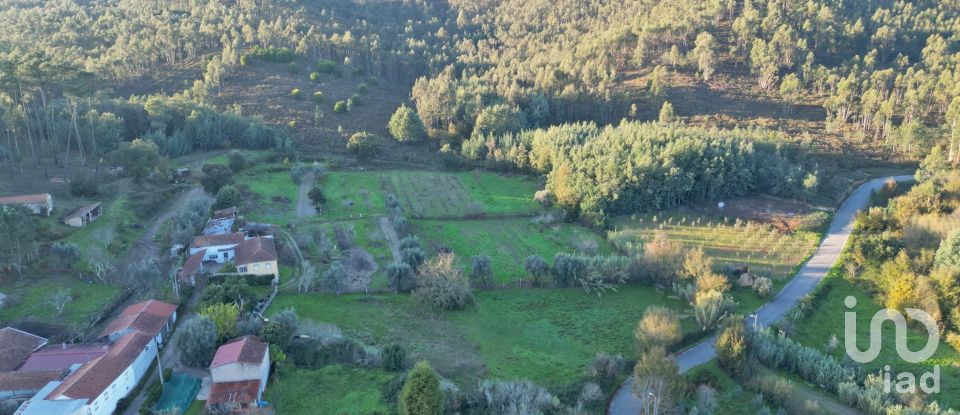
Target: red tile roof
(148, 316)
(63, 356)
(16, 346)
(192, 265)
(93, 378)
(204, 241)
(244, 391)
(25, 199)
(259, 249)
(246, 349)
(22, 381)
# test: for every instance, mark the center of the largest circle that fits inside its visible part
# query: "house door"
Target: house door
(226, 256)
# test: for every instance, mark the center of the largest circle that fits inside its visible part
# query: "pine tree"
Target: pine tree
(405, 125)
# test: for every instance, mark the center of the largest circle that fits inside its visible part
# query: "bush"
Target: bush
(340, 107)
(315, 76)
(362, 88)
(394, 358)
(355, 101)
(293, 68)
(775, 388)
(401, 276)
(236, 161)
(197, 341)
(537, 268)
(326, 66)
(318, 97)
(421, 393)
(215, 176)
(84, 185)
(295, 93)
(363, 144)
(480, 270)
(228, 196)
(517, 397)
(815, 222)
(659, 326)
(441, 285)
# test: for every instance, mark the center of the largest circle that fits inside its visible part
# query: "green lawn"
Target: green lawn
(88, 299)
(278, 196)
(828, 319)
(732, 399)
(549, 336)
(507, 241)
(352, 195)
(332, 389)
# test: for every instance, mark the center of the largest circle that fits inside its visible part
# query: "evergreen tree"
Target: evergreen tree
(421, 394)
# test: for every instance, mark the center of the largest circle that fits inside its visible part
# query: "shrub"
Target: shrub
(197, 340)
(394, 358)
(414, 257)
(774, 388)
(227, 196)
(814, 222)
(732, 348)
(318, 97)
(293, 67)
(763, 286)
(362, 88)
(480, 271)
(326, 66)
(295, 93)
(317, 196)
(236, 161)
(84, 185)
(517, 397)
(363, 144)
(659, 326)
(340, 107)
(315, 76)
(421, 393)
(568, 268)
(401, 276)
(355, 101)
(441, 285)
(215, 176)
(537, 268)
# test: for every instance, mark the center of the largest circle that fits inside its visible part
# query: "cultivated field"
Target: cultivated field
(276, 195)
(435, 195)
(349, 390)
(731, 242)
(507, 241)
(29, 301)
(352, 194)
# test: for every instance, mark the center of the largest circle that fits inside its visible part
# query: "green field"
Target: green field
(549, 336)
(34, 295)
(352, 195)
(332, 389)
(507, 241)
(278, 196)
(760, 247)
(425, 194)
(828, 319)
(117, 220)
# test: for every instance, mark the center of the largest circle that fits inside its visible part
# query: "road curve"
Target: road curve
(624, 403)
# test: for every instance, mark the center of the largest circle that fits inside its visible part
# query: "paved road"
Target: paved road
(624, 403)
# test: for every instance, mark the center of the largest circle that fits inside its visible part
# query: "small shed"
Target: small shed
(83, 216)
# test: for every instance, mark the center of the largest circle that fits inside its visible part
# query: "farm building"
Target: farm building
(39, 203)
(153, 317)
(24, 385)
(257, 256)
(84, 216)
(63, 356)
(221, 222)
(240, 371)
(17, 345)
(97, 386)
(216, 248)
(192, 268)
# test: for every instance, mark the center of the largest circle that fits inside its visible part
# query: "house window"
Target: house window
(267, 265)
(256, 267)
(242, 269)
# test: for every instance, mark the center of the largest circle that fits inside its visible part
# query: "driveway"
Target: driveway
(624, 403)
(305, 206)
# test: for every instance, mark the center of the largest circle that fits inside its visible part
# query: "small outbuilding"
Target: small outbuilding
(84, 216)
(38, 203)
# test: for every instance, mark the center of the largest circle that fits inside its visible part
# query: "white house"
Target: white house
(39, 203)
(97, 386)
(152, 317)
(217, 248)
(240, 371)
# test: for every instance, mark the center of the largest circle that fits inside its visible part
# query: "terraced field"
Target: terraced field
(434, 195)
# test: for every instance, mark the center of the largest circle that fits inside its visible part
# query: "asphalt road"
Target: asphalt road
(624, 403)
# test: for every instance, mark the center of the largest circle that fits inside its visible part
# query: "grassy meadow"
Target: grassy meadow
(507, 241)
(34, 300)
(330, 389)
(426, 194)
(277, 196)
(549, 336)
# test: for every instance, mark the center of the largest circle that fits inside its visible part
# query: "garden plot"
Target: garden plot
(731, 242)
(465, 195)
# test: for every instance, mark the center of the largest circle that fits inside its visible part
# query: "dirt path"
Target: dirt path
(390, 234)
(305, 206)
(146, 247)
